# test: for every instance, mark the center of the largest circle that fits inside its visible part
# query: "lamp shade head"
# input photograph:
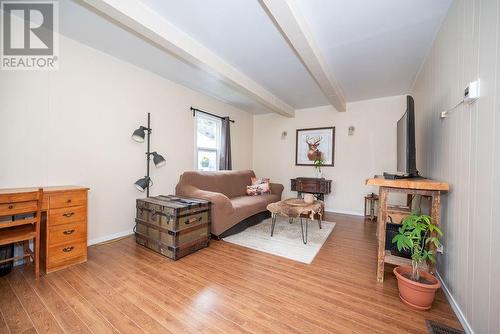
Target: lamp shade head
(139, 134)
(158, 159)
(143, 183)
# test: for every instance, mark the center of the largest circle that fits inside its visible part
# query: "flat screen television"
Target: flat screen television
(406, 152)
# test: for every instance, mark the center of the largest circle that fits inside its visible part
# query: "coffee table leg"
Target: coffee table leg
(319, 223)
(273, 222)
(290, 220)
(307, 227)
(304, 239)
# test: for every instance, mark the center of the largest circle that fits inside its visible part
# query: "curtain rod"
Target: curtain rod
(194, 110)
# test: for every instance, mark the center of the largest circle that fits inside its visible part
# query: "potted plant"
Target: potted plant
(317, 166)
(417, 288)
(205, 162)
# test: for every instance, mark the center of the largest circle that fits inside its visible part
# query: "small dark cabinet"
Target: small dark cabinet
(311, 185)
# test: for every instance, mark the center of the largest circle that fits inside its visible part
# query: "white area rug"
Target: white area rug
(287, 239)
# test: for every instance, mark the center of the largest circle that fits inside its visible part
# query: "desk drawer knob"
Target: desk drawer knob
(11, 206)
(68, 214)
(68, 201)
(68, 249)
(68, 232)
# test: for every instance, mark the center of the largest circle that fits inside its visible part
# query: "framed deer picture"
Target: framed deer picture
(315, 144)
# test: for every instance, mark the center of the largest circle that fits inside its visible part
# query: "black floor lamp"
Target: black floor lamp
(138, 135)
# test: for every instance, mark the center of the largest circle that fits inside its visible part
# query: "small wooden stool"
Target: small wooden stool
(370, 200)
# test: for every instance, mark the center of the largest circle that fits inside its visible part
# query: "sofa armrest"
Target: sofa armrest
(276, 188)
(220, 201)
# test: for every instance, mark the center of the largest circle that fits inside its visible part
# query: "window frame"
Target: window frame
(218, 134)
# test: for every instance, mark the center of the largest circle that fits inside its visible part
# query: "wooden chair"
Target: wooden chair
(20, 219)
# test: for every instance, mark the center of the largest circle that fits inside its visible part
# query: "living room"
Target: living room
(261, 125)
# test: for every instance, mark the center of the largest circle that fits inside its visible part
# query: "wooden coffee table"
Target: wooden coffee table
(297, 208)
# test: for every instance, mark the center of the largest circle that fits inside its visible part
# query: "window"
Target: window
(208, 133)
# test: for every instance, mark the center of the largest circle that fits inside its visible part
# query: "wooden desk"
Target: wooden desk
(424, 187)
(63, 233)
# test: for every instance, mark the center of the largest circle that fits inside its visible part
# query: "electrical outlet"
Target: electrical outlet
(440, 249)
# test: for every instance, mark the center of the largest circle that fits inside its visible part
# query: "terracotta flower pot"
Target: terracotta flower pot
(415, 294)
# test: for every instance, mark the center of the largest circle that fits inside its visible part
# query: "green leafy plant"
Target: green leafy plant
(415, 235)
(205, 162)
(318, 163)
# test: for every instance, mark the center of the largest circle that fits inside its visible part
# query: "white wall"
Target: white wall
(464, 150)
(74, 126)
(372, 149)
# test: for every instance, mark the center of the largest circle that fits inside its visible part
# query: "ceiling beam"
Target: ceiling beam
(148, 24)
(293, 27)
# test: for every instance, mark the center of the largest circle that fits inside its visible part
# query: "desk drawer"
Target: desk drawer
(65, 253)
(67, 215)
(308, 187)
(19, 207)
(67, 199)
(65, 233)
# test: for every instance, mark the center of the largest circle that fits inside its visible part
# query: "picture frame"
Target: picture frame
(313, 143)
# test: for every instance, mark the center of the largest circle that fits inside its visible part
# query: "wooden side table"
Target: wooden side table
(370, 202)
(311, 185)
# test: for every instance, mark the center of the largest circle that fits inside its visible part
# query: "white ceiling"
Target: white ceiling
(374, 48)
(241, 32)
(80, 22)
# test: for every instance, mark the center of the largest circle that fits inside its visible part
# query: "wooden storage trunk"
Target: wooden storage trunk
(173, 226)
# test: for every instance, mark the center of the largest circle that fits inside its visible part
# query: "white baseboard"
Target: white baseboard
(110, 237)
(454, 305)
(345, 212)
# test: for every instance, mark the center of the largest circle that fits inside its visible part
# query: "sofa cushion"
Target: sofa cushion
(260, 186)
(246, 206)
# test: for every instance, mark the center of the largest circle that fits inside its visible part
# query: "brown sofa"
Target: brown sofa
(227, 192)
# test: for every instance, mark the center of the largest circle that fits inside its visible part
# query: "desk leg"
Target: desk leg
(382, 215)
(436, 220)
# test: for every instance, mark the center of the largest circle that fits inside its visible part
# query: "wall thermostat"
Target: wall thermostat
(471, 92)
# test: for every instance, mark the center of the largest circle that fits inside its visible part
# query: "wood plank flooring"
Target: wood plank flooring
(124, 288)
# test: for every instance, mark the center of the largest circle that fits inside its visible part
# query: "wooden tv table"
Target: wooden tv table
(424, 187)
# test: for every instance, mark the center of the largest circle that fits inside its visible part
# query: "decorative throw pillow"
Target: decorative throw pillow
(260, 186)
